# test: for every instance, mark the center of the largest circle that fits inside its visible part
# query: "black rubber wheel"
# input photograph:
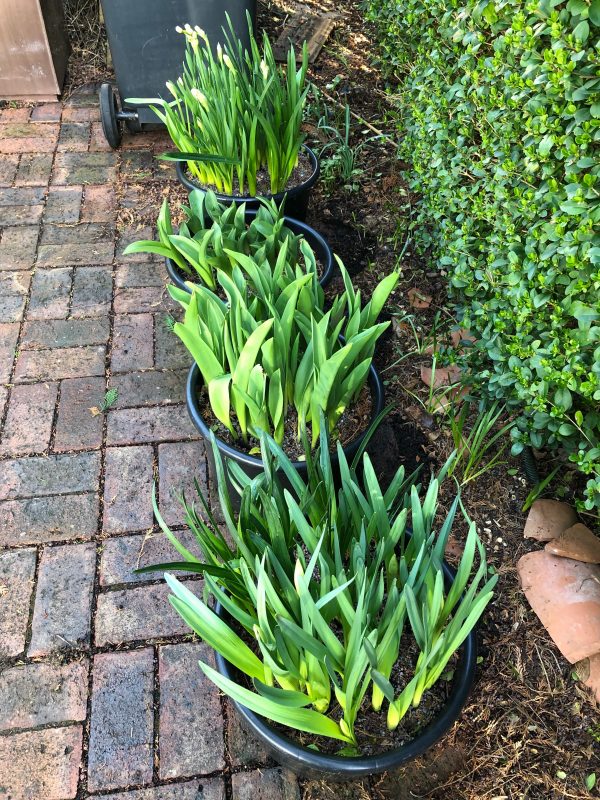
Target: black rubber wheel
(108, 114)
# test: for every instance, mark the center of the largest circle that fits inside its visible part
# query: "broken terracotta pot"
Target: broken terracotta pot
(565, 595)
(443, 376)
(588, 672)
(547, 519)
(576, 542)
(417, 299)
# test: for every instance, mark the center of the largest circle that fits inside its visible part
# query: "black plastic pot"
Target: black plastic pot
(323, 252)
(312, 764)
(296, 199)
(251, 465)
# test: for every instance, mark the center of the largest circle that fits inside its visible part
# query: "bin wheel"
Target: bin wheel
(108, 114)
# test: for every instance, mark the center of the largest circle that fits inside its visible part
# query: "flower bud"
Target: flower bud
(264, 69)
(228, 62)
(200, 97)
(219, 52)
(178, 29)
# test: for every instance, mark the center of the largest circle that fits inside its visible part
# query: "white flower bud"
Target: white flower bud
(264, 69)
(200, 97)
(171, 87)
(219, 51)
(178, 29)
(188, 28)
(228, 62)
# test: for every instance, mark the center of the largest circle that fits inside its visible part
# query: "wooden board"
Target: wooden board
(300, 28)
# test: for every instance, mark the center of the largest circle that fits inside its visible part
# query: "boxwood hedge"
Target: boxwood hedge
(499, 116)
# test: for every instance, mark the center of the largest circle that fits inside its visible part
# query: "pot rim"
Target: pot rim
(194, 379)
(295, 190)
(303, 228)
(311, 762)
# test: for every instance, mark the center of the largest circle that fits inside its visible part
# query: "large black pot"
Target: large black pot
(251, 465)
(312, 764)
(323, 252)
(296, 199)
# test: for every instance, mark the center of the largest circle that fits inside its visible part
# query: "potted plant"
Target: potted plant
(270, 358)
(336, 616)
(238, 105)
(199, 249)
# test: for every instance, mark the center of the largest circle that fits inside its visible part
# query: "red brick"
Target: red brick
(264, 784)
(63, 600)
(14, 287)
(9, 334)
(178, 466)
(44, 764)
(80, 114)
(17, 570)
(21, 196)
(133, 342)
(127, 489)
(138, 613)
(18, 247)
(28, 424)
(33, 695)
(202, 789)
(36, 520)
(243, 747)
(121, 732)
(149, 388)
(98, 143)
(64, 362)
(142, 299)
(50, 290)
(8, 169)
(30, 137)
(99, 204)
(42, 476)
(3, 399)
(77, 428)
(46, 112)
(165, 423)
(74, 137)
(15, 114)
(92, 291)
(88, 233)
(121, 555)
(50, 334)
(191, 724)
(63, 204)
(34, 170)
(139, 274)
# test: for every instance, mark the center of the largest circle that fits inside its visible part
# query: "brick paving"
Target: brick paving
(100, 692)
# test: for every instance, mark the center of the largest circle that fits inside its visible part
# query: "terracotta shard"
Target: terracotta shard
(565, 595)
(588, 671)
(547, 519)
(441, 376)
(577, 542)
(418, 299)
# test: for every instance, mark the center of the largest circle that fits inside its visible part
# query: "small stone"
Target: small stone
(577, 542)
(565, 595)
(547, 519)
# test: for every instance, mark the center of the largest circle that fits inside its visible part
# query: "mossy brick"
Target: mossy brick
(141, 275)
(50, 294)
(149, 388)
(41, 476)
(129, 473)
(122, 555)
(180, 465)
(132, 343)
(92, 291)
(63, 204)
(74, 137)
(78, 426)
(38, 520)
(28, 423)
(84, 168)
(18, 247)
(158, 424)
(64, 362)
(50, 334)
(199, 789)
(46, 112)
(43, 764)
(32, 137)
(141, 300)
(34, 169)
(33, 695)
(17, 572)
(9, 335)
(63, 599)
(265, 784)
(122, 720)
(8, 168)
(139, 613)
(14, 287)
